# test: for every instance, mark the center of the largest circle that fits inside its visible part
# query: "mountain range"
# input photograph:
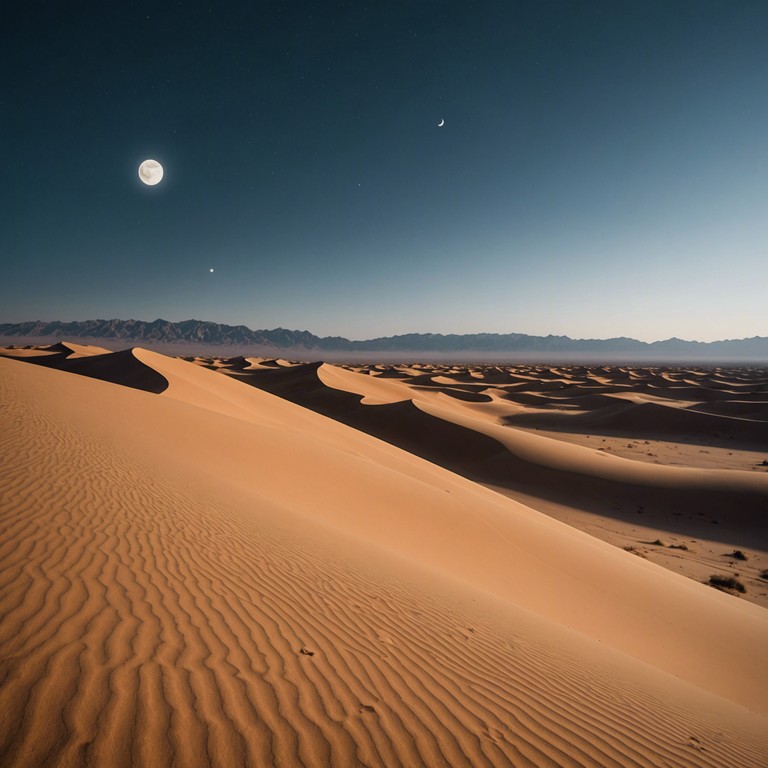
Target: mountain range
(236, 338)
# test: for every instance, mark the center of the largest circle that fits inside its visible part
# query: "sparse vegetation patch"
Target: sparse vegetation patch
(726, 583)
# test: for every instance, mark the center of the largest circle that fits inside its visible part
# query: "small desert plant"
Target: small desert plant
(726, 583)
(764, 574)
(737, 554)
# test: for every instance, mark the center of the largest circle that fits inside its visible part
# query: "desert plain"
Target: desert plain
(255, 562)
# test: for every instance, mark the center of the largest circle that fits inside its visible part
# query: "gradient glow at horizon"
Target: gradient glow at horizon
(602, 170)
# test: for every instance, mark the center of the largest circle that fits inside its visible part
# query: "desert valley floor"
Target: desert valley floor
(252, 562)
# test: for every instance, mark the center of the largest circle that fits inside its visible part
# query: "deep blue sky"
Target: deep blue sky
(602, 171)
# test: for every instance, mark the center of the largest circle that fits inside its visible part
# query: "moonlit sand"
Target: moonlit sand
(197, 570)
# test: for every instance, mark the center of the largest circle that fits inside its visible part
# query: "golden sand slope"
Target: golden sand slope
(215, 576)
(687, 501)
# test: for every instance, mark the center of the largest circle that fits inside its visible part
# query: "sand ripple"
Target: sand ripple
(148, 619)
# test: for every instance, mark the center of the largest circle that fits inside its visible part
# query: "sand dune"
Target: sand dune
(118, 367)
(757, 411)
(409, 426)
(59, 351)
(649, 419)
(213, 575)
(477, 432)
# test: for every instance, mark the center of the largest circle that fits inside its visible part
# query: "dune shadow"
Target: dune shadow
(729, 516)
(121, 368)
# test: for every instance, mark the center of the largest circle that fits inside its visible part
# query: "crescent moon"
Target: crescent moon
(441, 123)
(151, 172)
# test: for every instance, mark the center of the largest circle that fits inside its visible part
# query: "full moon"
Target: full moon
(151, 172)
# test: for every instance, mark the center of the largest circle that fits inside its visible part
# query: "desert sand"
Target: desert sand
(678, 421)
(319, 569)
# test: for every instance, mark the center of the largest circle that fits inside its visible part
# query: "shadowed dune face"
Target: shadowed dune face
(116, 367)
(216, 576)
(400, 423)
(651, 419)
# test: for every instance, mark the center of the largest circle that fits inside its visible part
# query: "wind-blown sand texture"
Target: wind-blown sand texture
(196, 572)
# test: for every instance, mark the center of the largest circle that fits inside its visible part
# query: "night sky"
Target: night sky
(602, 170)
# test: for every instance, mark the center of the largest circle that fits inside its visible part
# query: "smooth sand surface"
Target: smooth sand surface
(208, 574)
